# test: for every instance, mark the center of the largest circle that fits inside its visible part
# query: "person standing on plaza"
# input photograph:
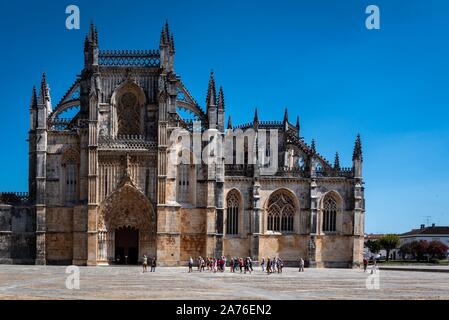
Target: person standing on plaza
(280, 265)
(145, 263)
(241, 264)
(365, 264)
(203, 264)
(268, 266)
(153, 265)
(262, 264)
(190, 264)
(301, 264)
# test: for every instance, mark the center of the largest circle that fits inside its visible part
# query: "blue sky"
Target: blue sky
(314, 57)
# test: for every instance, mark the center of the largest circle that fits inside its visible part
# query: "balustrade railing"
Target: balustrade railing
(123, 58)
(14, 197)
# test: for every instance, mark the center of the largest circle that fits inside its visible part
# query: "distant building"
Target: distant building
(433, 232)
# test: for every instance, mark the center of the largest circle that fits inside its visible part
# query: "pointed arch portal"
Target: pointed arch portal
(126, 227)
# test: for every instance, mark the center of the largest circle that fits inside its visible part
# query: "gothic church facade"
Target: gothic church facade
(102, 189)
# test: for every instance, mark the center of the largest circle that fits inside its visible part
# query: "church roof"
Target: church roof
(441, 230)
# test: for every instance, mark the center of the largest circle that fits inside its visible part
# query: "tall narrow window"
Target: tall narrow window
(330, 215)
(184, 183)
(281, 212)
(71, 180)
(128, 113)
(232, 213)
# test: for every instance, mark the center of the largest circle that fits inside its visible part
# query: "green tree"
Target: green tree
(373, 246)
(419, 249)
(437, 249)
(406, 249)
(389, 242)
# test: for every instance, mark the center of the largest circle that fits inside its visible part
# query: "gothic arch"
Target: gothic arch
(125, 207)
(128, 115)
(331, 207)
(282, 211)
(234, 211)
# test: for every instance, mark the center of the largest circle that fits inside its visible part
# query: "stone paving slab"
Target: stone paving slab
(48, 282)
(420, 268)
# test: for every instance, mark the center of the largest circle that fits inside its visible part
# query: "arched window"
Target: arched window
(281, 212)
(329, 214)
(128, 113)
(184, 183)
(232, 213)
(70, 180)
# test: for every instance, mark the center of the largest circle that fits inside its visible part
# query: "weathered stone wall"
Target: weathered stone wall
(59, 236)
(336, 251)
(287, 247)
(168, 236)
(17, 237)
(236, 247)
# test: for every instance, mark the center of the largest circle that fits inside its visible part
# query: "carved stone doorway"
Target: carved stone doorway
(127, 245)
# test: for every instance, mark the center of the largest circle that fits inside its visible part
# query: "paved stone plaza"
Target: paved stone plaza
(48, 282)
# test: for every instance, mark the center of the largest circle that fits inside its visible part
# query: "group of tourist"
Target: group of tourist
(145, 264)
(272, 265)
(236, 264)
(212, 264)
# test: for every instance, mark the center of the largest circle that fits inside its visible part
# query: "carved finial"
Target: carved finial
(286, 115)
(211, 98)
(172, 43)
(167, 32)
(162, 40)
(337, 162)
(256, 116)
(313, 146)
(43, 90)
(93, 34)
(357, 154)
(33, 102)
(229, 123)
(221, 102)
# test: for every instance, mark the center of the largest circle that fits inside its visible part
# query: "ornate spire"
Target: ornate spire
(256, 116)
(286, 116)
(221, 101)
(93, 34)
(167, 32)
(229, 122)
(313, 146)
(33, 102)
(172, 43)
(357, 154)
(211, 98)
(297, 123)
(44, 92)
(337, 161)
(166, 37)
(162, 40)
